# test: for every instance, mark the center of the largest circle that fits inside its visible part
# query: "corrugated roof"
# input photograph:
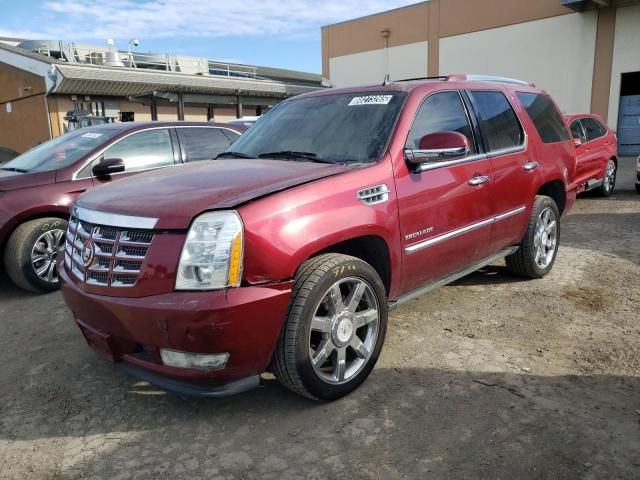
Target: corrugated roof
(94, 80)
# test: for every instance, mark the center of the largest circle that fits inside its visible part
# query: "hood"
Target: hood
(176, 195)
(15, 180)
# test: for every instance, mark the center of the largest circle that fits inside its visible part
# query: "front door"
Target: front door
(444, 208)
(145, 150)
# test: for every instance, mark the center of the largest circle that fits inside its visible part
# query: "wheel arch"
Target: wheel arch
(19, 220)
(555, 189)
(372, 249)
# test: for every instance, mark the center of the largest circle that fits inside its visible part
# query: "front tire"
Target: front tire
(335, 327)
(609, 180)
(539, 247)
(31, 252)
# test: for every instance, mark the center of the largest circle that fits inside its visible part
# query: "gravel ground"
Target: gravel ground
(491, 377)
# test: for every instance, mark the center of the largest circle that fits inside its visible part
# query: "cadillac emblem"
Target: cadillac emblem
(88, 252)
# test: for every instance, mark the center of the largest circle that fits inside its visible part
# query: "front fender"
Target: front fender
(285, 229)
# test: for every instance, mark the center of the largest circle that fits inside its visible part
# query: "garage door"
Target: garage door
(629, 126)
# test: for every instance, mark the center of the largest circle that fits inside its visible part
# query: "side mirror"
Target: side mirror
(108, 166)
(438, 146)
(577, 142)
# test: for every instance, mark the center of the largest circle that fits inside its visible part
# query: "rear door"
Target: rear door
(513, 167)
(203, 143)
(596, 148)
(444, 213)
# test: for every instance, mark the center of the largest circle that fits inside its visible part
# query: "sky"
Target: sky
(275, 33)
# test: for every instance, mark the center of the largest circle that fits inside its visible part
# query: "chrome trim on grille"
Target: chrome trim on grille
(461, 231)
(114, 219)
(117, 256)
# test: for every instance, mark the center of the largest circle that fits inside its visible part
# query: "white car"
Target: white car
(638, 175)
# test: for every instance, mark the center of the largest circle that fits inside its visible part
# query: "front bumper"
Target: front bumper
(245, 322)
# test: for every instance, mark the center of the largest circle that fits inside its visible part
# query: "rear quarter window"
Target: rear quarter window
(202, 143)
(545, 117)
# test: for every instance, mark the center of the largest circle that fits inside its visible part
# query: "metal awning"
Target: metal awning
(94, 80)
(582, 5)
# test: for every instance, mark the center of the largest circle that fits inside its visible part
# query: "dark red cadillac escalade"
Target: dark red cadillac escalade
(287, 253)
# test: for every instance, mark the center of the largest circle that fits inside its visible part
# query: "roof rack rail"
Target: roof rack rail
(497, 79)
(471, 78)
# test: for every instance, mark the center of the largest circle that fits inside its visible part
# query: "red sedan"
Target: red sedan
(596, 153)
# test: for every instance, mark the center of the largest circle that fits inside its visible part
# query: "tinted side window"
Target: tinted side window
(545, 117)
(231, 134)
(149, 149)
(202, 143)
(593, 128)
(440, 112)
(577, 131)
(498, 122)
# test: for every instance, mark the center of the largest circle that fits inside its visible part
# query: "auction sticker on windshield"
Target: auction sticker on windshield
(371, 100)
(92, 135)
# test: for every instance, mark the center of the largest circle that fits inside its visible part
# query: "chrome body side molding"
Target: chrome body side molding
(402, 299)
(461, 231)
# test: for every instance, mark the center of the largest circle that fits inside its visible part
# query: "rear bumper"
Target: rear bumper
(245, 322)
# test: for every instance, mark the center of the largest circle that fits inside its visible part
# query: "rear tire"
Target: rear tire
(539, 247)
(609, 180)
(335, 327)
(637, 187)
(31, 252)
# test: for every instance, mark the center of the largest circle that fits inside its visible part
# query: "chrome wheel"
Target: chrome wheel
(44, 254)
(609, 177)
(545, 240)
(344, 330)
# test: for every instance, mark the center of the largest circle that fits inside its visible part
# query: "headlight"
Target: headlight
(212, 253)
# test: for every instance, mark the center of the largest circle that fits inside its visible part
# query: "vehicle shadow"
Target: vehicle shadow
(402, 423)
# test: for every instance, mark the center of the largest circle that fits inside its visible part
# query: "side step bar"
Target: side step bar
(407, 297)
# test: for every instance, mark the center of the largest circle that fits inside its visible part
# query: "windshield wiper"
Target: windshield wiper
(293, 154)
(19, 170)
(233, 155)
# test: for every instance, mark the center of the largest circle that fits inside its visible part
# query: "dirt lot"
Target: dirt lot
(492, 377)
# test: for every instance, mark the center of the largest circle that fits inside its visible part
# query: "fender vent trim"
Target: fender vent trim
(373, 195)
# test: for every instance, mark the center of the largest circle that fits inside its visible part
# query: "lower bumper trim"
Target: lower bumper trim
(190, 389)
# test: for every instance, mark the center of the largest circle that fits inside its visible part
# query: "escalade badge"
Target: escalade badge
(88, 252)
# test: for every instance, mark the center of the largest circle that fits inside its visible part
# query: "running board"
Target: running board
(407, 297)
(591, 184)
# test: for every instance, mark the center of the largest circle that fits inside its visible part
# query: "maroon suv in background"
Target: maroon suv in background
(37, 188)
(287, 253)
(596, 153)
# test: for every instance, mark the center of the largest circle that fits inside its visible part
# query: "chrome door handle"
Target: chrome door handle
(530, 166)
(479, 180)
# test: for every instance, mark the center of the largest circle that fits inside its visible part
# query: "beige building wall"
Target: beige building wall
(224, 114)
(195, 114)
(140, 111)
(626, 55)
(404, 61)
(168, 113)
(15, 115)
(556, 53)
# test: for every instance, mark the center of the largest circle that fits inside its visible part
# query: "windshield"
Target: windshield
(342, 128)
(59, 152)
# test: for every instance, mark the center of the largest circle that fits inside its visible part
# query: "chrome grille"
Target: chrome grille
(118, 254)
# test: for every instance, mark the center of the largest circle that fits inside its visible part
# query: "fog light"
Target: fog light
(196, 361)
